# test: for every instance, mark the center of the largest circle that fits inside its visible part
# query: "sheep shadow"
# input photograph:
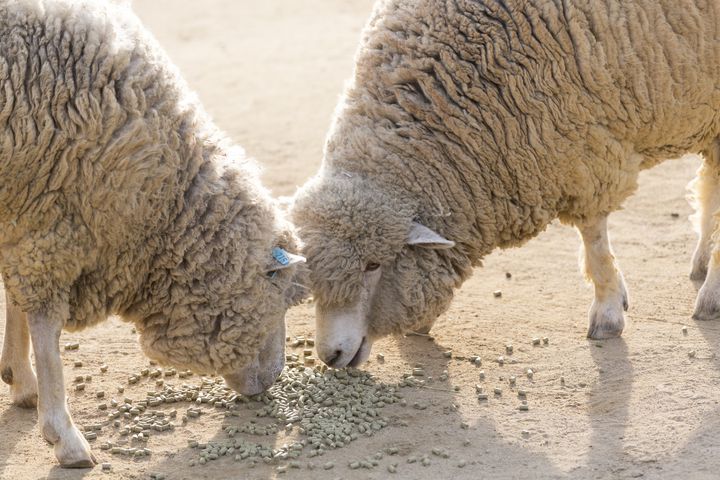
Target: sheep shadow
(608, 405)
(704, 439)
(477, 442)
(16, 423)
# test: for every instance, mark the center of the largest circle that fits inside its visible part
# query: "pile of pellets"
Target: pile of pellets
(330, 409)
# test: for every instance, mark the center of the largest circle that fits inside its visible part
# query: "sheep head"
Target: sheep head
(230, 321)
(374, 269)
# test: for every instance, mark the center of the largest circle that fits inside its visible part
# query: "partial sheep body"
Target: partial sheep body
(118, 196)
(484, 121)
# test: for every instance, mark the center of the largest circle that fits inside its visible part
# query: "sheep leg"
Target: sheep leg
(71, 448)
(706, 190)
(707, 304)
(15, 367)
(611, 299)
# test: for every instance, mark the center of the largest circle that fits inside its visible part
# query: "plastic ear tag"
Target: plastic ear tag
(280, 256)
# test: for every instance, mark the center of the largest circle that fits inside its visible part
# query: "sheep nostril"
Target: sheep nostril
(332, 360)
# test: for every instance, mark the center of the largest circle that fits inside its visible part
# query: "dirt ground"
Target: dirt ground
(270, 74)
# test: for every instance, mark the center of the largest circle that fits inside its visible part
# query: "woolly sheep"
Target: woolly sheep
(471, 125)
(119, 196)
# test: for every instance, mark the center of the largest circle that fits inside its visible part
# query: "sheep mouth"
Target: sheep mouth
(362, 354)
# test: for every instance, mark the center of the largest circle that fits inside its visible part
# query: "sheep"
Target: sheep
(471, 125)
(118, 196)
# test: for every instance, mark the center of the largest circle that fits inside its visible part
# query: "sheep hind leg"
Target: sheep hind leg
(707, 304)
(71, 448)
(706, 195)
(611, 300)
(15, 367)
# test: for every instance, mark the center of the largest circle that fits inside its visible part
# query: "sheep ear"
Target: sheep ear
(421, 236)
(282, 259)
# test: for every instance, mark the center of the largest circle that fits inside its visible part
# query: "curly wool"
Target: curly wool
(487, 120)
(119, 196)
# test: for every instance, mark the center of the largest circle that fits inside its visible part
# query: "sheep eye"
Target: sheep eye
(372, 266)
(272, 273)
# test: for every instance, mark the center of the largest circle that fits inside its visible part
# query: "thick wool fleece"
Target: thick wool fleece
(119, 196)
(486, 120)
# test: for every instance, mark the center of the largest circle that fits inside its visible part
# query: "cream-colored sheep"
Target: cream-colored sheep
(119, 196)
(480, 122)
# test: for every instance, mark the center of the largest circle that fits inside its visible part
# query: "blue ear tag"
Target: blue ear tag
(280, 256)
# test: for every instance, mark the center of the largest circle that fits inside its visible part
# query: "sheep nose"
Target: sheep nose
(333, 358)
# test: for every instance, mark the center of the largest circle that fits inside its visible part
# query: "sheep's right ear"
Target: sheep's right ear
(421, 236)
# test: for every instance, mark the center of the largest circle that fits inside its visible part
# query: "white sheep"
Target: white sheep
(118, 196)
(481, 122)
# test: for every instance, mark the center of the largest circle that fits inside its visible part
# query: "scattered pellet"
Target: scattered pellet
(536, 341)
(497, 293)
(684, 330)
(72, 346)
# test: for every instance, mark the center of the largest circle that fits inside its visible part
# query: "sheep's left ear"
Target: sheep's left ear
(282, 259)
(421, 236)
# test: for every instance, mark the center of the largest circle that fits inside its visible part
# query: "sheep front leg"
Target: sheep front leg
(611, 299)
(71, 448)
(15, 367)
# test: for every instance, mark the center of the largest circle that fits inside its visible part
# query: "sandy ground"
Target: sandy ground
(270, 73)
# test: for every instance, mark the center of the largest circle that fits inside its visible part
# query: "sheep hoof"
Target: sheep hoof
(607, 320)
(73, 451)
(26, 400)
(698, 275)
(706, 306)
